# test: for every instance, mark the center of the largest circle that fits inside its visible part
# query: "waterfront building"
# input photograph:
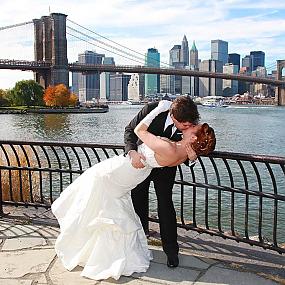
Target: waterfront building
(119, 86)
(257, 59)
(234, 58)
(230, 87)
(105, 80)
(194, 61)
(175, 61)
(243, 86)
(152, 81)
(134, 88)
(247, 63)
(184, 52)
(75, 83)
(219, 51)
(89, 84)
(210, 86)
(186, 83)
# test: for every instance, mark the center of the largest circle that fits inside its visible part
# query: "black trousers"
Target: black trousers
(163, 180)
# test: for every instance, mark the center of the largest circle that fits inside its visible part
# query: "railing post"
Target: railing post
(1, 202)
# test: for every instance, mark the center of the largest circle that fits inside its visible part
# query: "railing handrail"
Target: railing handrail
(231, 195)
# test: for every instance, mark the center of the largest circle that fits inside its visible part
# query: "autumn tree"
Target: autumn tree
(59, 96)
(26, 93)
(3, 98)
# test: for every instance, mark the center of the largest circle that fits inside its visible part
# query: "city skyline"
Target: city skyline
(141, 25)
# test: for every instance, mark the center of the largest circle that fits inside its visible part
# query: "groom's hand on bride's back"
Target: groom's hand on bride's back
(136, 159)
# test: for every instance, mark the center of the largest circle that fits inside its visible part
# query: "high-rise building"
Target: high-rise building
(119, 86)
(194, 61)
(105, 80)
(175, 56)
(194, 65)
(152, 81)
(134, 88)
(210, 86)
(257, 59)
(184, 52)
(89, 84)
(230, 87)
(247, 63)
(219, 50)
(234, 58)
(175, 81)
(75, 86)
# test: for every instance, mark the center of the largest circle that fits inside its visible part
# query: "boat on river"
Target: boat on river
(214, 101)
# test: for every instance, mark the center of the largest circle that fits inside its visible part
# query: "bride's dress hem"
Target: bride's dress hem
(99, 229)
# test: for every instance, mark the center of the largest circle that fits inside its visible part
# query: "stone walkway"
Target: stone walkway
(27, 257)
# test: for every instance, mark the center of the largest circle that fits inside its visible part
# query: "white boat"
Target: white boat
(214, 101)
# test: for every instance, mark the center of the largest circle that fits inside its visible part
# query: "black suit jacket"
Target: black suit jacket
(156, 127)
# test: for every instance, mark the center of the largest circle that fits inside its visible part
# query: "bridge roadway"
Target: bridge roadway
(38, 66)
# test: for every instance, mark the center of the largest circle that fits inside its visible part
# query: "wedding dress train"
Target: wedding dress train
(99, 229)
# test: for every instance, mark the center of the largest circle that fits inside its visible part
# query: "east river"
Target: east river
(258, 130)
(241, 129)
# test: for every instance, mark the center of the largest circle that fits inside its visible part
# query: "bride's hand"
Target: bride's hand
(190, 152)
(136, 159)
(164, 105)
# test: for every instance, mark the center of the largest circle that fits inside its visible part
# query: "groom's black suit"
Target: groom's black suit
(163, 180)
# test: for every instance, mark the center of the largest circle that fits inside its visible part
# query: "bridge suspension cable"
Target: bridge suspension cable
(15, 25)
(101, 42)
(118, 44)
(96, 45)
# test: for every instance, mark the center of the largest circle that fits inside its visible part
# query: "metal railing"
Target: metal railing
(231, 195)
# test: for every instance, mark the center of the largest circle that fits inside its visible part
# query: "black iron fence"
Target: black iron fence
(231, 195)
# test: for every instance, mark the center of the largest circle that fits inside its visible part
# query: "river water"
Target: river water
(242, 129)
(258, 130)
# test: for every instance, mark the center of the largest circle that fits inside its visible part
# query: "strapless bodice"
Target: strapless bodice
(149, 155)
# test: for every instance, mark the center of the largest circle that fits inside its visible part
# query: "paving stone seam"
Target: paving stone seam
(203, 272)
(47, 272)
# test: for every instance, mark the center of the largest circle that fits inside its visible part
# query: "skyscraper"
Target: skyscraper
(119, 86)
(89, 84)
(230, 87)
(210, 86)
(247, 63)
(184, 52)
(152, 81)
(219, 50)
(105, 80)
(257, 59)
(194, 61)
(234, 58)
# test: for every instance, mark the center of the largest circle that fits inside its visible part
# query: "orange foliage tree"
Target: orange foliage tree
(59, 96)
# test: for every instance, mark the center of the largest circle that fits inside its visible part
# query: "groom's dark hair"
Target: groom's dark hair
(184, 109)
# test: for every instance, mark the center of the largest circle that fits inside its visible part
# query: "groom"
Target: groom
(182, 115)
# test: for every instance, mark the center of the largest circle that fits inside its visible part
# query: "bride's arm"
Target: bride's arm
(153, 142)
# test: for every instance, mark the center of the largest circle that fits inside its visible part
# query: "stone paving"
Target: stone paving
(27, 257)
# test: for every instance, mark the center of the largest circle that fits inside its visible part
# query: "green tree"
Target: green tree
(26, 92)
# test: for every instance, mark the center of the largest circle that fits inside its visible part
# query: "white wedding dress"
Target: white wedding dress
(99, 229)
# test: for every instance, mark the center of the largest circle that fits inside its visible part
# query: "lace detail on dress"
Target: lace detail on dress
(149, 155)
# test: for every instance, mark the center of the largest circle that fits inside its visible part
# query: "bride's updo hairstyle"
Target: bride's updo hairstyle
(206, 140)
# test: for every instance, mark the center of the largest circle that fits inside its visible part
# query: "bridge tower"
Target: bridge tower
(51, 45)
(280, 94)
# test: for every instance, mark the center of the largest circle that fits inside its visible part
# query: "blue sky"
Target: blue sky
(139, 25)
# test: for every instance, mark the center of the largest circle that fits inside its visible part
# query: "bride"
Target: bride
(99, 229)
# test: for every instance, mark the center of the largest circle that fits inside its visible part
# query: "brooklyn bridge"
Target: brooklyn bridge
(51, 65)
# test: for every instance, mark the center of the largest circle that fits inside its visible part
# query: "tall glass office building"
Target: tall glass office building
(152, 81)
(219, 51)
(89, 84)
(257, 59)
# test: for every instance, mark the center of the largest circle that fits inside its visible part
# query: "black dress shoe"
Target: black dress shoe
(172, 260)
